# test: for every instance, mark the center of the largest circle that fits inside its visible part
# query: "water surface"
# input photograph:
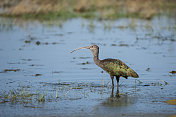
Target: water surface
(40, 54)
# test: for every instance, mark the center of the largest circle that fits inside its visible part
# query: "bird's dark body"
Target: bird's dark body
(114, 67)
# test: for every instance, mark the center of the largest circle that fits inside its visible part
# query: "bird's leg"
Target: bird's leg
(112, 93)
(117, 93)
(117, 78)
(112, 78)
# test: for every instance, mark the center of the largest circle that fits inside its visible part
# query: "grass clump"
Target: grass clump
(41, 98)
(20, 95)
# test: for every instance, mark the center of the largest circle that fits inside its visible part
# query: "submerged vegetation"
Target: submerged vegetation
(21, 95)
(104, 9)
(53, 92)
(173, 102)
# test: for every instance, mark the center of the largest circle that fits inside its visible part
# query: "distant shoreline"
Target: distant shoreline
(63, 9)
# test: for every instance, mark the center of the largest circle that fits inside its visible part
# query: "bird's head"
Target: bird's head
(93, 48)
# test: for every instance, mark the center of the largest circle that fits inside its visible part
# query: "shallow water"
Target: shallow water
(40, 54)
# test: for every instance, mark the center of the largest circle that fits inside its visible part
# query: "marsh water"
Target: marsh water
(40, 77)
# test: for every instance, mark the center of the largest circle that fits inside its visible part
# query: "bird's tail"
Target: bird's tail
(132, 73)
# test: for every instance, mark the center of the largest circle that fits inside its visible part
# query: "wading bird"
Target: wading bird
(114, 67)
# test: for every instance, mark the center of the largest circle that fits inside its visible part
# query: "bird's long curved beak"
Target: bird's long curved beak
(87, 47)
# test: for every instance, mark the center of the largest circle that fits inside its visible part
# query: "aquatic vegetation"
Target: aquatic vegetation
(41, 98)
(27, 95)
(122, 26)
(173, 72)
(148, 69)
(124, 45)
(56, 94)
(132, 25)
(15, 96)
(172, 102)
(27, 41)
(139, 82)
(91, 26)
(113, 45)
(15, 70)
(38, 74)
(84, 63)
(160, 83)
(108, 25)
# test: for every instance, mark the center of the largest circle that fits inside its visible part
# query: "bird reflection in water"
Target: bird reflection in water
(118, 99)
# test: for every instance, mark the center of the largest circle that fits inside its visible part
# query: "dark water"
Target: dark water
(35, 56)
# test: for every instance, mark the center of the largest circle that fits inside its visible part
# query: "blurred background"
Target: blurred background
(103, 9)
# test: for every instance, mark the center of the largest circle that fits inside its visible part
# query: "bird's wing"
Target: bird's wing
(117, 68)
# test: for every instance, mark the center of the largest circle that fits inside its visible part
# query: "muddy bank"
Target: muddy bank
(86, 8)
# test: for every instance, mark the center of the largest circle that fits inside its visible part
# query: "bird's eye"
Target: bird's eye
(91, 46)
